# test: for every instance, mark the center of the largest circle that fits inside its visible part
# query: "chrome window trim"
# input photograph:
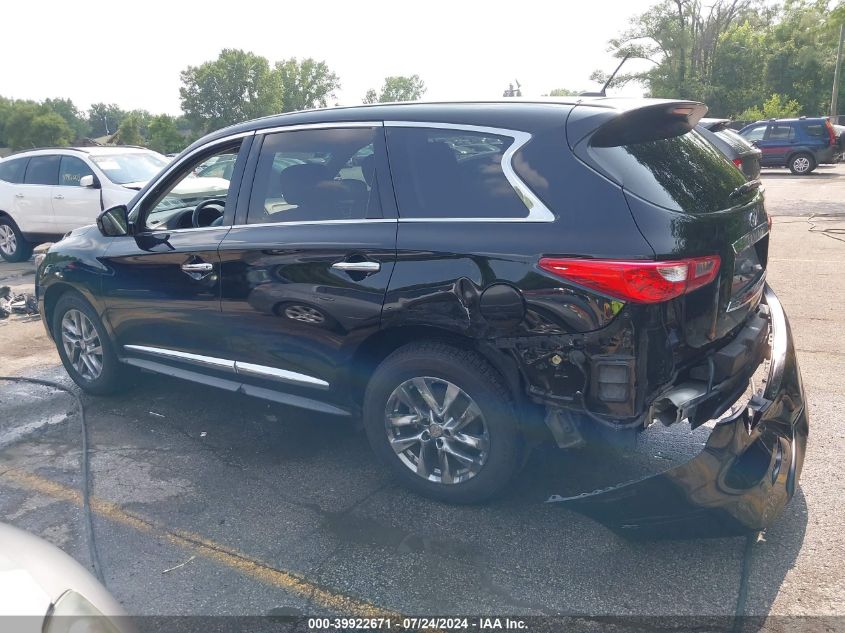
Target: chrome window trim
(309, 222)
(237, 367)
(537, 211)
(319, 126)
(174, 166)
(164, 229)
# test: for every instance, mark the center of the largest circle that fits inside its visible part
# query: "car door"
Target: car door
(306, 266)
(74, 206)
(756, 136)
(33, 201)
(778, 143)
(162, 289)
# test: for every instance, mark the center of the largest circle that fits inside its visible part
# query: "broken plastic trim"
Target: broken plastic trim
(743, 478)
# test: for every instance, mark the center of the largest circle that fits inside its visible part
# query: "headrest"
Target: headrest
(298, 182)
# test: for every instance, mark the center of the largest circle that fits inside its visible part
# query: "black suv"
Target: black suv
(467, 279)
(800, 144)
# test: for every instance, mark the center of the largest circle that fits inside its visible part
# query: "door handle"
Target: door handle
(358, 267)
(18, 195)
(203, 267)
(58, 197)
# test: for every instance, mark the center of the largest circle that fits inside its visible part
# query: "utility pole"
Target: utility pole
(834, 99)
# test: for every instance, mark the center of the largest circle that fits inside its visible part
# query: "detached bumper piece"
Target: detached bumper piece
(743, 478)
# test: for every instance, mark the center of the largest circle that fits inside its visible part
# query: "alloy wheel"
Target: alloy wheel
(801, 164)
(437, 430)
(82, 344)
(8, 240)
(304, 314)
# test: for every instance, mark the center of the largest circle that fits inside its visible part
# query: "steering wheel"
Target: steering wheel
(196, 216)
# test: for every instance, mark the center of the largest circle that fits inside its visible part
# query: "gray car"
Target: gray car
(739, 151)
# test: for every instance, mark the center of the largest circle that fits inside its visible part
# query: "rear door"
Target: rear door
(778, 143)
(74, 206)
(162, 290)
(33, 203)
(306, 266)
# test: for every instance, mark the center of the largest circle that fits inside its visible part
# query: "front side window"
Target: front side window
(316, 175)
(131, 168)
(756, 133)
(42, 170)
(12, 170)
(440, 173)
(187, 200)
(71, 170)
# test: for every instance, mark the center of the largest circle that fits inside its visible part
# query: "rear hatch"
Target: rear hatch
(688, 200)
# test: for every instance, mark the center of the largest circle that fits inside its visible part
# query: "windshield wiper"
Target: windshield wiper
(751, 185)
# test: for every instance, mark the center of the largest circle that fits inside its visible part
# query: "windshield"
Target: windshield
(122, 169)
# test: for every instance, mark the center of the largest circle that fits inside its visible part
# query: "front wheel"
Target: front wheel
(13, 245)
(441, 418)
(802, 164)
(85, 348)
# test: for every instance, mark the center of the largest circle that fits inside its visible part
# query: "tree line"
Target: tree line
(237, 86)
(746, 59)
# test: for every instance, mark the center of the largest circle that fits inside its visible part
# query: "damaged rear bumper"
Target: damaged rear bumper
(746, 473)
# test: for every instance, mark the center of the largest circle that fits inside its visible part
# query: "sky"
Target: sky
(131, 54)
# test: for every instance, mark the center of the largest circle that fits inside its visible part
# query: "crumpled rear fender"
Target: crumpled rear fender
(742, 479)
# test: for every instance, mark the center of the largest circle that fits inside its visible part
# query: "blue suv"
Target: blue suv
(800, 144)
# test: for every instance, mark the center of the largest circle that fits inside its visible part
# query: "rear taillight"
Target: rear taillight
(831, 132)
(636, 281)
(738, 163)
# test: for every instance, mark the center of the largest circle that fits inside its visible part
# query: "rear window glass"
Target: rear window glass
(683, 173)
(12, 170)
(734, 140)
(439, 173)
(816, 130)
(42, 170)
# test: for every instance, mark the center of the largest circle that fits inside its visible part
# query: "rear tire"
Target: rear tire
(14, 247)
(85, 348)
(468, 444)
(801, 164)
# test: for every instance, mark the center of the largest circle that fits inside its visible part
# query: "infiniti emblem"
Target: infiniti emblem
(752, 217)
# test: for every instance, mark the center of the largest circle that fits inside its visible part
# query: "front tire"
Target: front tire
(443, 420)
(14, 247)
(801, 164)
(84, 346)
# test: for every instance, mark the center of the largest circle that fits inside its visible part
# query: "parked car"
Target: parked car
(596, 267)
(839, 130)
(46, 193)
(739, 151)
(801, 144)
(45, 590)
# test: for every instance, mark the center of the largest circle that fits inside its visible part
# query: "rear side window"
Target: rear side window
(72, 169)
(781, 133)
(315, 176)
(439, 173)
(816, 130)
(12, 170)
(683, 173)
(42, 170)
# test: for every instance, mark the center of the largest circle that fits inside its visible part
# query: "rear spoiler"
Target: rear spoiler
(657, 119)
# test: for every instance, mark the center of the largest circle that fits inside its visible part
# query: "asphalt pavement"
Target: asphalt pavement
(207, 503)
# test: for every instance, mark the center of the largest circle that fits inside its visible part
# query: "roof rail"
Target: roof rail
(83, 150)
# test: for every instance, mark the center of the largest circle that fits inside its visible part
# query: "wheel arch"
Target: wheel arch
(804, 152)
(373, 350)
(56, 291)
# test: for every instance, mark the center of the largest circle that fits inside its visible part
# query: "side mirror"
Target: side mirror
(90, 181)
(114, 222)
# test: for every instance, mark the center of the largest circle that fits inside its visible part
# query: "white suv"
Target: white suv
(47, 192)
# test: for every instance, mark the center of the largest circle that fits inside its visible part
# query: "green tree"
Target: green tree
(129, 132)
(563, 92)
(237, 86)
(163, 135)
(397, 88)
(75, 118)
(775, 107)
(30, 124)
(305, 84)
(5, 111)
(104, 119)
